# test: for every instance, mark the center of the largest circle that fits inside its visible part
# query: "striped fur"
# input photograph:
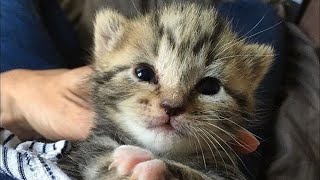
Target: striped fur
(183, 44)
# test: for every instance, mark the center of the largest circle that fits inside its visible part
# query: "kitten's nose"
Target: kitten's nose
(172, 108)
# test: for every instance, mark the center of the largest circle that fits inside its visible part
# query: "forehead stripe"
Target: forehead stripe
(107, 76)
(170, 37)
(214, 39)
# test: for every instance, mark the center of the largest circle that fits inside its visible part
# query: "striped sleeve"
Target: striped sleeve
(31, 160)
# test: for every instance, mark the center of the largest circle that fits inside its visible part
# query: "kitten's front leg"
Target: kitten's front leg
(90, 159)
(184, 172)
(138, 163)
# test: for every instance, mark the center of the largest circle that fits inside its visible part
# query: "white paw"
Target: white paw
(150, 170)
(137, 163)
(125, 158)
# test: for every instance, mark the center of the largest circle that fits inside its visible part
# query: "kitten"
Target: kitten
(171, 91)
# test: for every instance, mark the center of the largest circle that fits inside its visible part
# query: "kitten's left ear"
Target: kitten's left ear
(108, 29)
(258, 59)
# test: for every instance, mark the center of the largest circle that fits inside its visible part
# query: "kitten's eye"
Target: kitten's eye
(145, 73)
(209, 86)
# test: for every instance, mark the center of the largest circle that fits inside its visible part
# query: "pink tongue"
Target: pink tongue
(247, 143)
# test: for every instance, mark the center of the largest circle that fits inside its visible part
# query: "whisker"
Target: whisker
(215, 147)
(204, 159)
(228, 144)
(234, 153)
(244, 129)
(256, 25)
(221, 147)
(241, 39)
(232, 136)
(265, 30)
(241, 127)
(227, 57)
(234, 165)
(210, 150)
(135, 7)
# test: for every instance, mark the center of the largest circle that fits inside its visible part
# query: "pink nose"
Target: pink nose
(171, 108)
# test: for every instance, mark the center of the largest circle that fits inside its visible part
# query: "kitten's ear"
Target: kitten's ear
(108, 29)
(258, 59)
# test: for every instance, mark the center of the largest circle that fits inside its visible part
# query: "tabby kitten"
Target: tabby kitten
(171, 91)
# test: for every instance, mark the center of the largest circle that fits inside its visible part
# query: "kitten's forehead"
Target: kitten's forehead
(188, 24)
(187, 39)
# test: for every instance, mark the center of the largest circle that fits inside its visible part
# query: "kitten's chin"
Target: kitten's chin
(159, 139)
(166, 128)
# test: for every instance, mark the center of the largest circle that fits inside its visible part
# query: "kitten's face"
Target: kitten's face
(176, 78)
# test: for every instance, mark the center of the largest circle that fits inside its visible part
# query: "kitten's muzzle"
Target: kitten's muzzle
(161, 122)
(164, 122)
(173, 109)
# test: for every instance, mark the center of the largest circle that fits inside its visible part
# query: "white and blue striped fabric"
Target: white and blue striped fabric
(31, 160)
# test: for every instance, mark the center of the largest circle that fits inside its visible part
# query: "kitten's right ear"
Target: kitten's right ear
(108, 29)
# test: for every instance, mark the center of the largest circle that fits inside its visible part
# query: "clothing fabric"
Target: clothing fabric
(31, 160)
(298, 125)
(29, 43)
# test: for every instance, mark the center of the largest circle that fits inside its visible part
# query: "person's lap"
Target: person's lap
(27, 43)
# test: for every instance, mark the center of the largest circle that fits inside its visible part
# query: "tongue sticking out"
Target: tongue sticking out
(247, 143)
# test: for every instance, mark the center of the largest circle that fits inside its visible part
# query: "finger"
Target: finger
(80, 73)
(79, 79)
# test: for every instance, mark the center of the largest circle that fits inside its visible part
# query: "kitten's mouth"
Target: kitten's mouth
(163, 126)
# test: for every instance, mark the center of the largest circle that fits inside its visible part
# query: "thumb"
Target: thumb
(80, 75)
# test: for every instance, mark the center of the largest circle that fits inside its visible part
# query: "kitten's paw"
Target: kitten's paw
(125, 158)
(150, 170)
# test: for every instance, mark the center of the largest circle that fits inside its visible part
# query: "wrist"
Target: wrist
(10, 115)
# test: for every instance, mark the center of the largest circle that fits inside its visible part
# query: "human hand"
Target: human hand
(51, 103)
